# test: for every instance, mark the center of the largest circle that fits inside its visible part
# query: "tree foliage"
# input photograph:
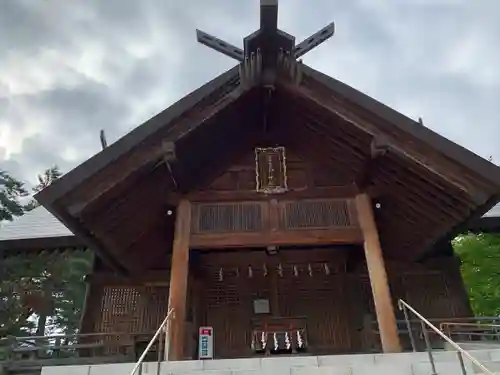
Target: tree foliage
(44, 180)
(44, 292)
(480, 254)
(11, 191)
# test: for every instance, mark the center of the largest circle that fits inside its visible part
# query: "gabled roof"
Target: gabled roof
(205, 110)
(36, 230)
(37, 223)
(440, 144)
(132, 139)
(451, 150)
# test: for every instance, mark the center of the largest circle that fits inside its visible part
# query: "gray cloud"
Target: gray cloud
(70, 68)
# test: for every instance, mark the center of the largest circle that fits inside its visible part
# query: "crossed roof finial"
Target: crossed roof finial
(268, 40)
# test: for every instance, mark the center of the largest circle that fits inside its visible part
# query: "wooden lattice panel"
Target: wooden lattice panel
(303, 285)
(428, 294)
(315, 214)
(227, 217)
(120, 309)
(131, 309)
(228, 303)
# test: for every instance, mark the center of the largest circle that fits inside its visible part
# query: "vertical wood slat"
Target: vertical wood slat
(230, 217)
(316, 214)
(378, 276)
(179, 280)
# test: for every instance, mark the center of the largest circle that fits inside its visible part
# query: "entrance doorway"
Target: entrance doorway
(245, 290)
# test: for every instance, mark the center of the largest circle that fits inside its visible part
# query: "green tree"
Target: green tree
(14, 313)
(12, 317)
(44, 292)
(44, 180)
(11, 191)
(480, 254)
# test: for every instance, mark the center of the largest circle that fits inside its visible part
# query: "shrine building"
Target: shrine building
(272, 203)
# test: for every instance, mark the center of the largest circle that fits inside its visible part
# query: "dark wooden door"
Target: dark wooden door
(312, 291)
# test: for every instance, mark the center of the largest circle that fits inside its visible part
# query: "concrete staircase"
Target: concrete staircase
(363, 364)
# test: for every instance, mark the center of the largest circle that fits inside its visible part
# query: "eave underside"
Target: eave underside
(126, 204)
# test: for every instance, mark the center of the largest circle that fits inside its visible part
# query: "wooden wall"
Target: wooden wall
(301, 174)
(328, 287)
(125, 306)
(320, 285)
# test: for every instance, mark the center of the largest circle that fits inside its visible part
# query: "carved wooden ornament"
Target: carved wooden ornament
(270, 170)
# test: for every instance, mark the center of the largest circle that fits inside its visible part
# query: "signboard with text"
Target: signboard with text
(206, 343)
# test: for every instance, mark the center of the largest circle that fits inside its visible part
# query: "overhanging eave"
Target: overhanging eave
(456, 153)
(125, 144)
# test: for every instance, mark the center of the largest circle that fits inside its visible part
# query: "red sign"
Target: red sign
(206, 331)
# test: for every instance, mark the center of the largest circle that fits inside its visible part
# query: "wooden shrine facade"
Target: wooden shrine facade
(310, 254)
(327, 289)
(274, 189)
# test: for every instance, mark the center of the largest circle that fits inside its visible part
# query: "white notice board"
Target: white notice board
(206, 343)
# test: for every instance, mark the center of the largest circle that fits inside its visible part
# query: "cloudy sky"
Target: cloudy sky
(69, 68)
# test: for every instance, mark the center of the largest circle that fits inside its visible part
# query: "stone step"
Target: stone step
(388, 364)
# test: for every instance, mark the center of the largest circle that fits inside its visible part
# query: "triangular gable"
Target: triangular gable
(132, 139)
(447, 148)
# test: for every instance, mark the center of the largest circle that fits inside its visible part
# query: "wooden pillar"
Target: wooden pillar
(378, 276)
(177, 299)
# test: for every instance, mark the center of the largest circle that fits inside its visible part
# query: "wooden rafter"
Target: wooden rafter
(155, 151)
(326, 101)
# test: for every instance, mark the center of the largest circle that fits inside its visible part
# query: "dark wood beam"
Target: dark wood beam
(338, 236)
(428, 145)
(462, 227)
(139, 158)
(90, 240)
(269, 15)
(115, 190)
(220, 45)
(251, 195)
(177, 301)
(142, 185)
(314, 40)
(386, 317)
(147, 134)
(378, 149)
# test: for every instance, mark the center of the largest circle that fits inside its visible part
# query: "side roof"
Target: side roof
(449, 149)
(36, 230)
(38, 223)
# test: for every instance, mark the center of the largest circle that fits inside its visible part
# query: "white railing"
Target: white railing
(405, 307)
(164, 328)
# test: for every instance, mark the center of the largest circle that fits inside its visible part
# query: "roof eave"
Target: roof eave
(36, 245)
(73, 178)
(87, 238)
(480, 166)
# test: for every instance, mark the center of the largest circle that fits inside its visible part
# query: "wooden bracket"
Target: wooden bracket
(379, 147)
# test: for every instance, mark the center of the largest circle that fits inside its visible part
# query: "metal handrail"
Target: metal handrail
(164, 327)
(460, 351)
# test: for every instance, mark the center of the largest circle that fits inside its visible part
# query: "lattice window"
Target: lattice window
(271, 170)
(315, 214)
(131, 308)
(120, 310)
(235, 217)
